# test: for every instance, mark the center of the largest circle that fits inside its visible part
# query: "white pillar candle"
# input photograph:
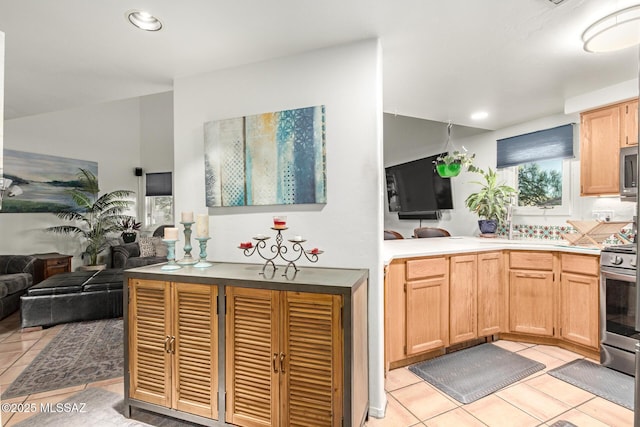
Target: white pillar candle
(202, 225)
(171, 233)
(187, 216)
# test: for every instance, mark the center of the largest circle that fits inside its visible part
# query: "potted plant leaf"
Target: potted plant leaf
(490, 202)
(94, 217)
(128, 225)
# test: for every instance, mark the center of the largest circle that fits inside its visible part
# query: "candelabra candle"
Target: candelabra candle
(203, 263)
(187, 259)
(171, 255)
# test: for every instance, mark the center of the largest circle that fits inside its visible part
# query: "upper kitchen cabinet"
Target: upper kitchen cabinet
(602, 133)
(629, 128)
(599, 148)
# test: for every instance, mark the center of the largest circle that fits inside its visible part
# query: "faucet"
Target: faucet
(510, 221)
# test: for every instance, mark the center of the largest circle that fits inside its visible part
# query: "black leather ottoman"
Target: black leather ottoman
(73, 297)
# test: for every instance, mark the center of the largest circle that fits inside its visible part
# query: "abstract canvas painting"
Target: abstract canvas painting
(266, 159)
(39, 182)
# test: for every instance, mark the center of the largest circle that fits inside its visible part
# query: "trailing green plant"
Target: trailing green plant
(491, 201)
(462, 157)
(94, 217)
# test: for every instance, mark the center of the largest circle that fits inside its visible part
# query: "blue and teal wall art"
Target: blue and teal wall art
(266, 159)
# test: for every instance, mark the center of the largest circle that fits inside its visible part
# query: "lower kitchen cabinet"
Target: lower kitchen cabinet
(531, 293)
(463, 298)
(173, 345)
(426, 304)
(579, 285)
(284, 358)
(491, 292)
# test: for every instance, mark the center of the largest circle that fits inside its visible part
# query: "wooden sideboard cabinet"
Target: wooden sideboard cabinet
(173, 345)
(229, 346)
(284, 358)
(49, 264)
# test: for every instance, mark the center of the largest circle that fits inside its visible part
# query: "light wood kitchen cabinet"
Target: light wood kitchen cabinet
(463, 298)
(476, 296)
(173, 345)
(491, 293)
(427, 304)
(579, 299)
(629, 127)
(531, 293)
(599, 147)
(284, 358)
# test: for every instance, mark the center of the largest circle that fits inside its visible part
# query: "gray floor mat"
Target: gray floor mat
(467, 375)
(604, 382)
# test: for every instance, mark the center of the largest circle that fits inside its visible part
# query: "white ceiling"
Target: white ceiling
(442, 60)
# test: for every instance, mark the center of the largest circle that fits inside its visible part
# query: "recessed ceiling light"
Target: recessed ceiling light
(479, 115)
(144, 20)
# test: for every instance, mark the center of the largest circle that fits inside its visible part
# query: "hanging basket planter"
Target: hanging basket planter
(450, 163)
(448, 170)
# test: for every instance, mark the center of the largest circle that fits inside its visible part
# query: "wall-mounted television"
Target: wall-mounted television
(416, 191)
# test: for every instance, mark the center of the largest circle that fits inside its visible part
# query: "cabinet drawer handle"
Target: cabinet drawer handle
(531, 275)
(275, 366)
(172, 345)
(166, 344)
(282, 356)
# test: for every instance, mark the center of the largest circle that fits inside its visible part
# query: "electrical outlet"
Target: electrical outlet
(604, 215)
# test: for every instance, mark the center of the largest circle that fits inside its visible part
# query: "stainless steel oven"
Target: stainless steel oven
(618, 308)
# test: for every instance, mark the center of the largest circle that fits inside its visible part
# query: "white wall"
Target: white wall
(1, 99)
(460, 221)
(347, 80)
(107, 133)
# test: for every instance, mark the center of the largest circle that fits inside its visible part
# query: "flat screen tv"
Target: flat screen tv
(415, 190)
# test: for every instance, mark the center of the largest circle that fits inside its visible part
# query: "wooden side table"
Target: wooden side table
(47, 265)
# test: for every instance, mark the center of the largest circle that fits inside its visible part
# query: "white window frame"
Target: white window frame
(510, 177)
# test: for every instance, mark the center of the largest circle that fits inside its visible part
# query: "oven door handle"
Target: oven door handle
(618, 276)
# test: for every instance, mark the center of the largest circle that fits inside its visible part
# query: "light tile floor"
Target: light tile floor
(538, 400)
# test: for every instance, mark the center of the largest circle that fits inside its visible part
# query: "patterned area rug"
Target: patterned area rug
(81, 353)
(467, 375)
(611, 385)
(99, 407)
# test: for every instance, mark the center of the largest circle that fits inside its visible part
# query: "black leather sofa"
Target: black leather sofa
(73, 297)
(128, 256)
(16, 276)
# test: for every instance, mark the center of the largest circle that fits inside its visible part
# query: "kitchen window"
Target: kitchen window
(538, 166)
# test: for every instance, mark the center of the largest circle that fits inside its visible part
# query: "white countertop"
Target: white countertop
(407, 248)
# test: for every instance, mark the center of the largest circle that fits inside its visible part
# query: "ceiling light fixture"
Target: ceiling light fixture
(144, 20)
(479, 115)
(616, 31)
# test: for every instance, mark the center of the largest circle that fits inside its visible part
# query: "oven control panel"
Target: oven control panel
(618, 260)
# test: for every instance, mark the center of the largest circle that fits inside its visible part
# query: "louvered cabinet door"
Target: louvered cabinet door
(195, 349)
(311, 375)
(252, 357)
(149, 334)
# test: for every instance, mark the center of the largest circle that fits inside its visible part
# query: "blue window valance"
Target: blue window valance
(545, 144)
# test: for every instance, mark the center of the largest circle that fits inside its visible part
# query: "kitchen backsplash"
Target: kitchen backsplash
(554, 232)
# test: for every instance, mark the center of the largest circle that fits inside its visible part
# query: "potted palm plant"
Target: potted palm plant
(490, 202)
(94, 216)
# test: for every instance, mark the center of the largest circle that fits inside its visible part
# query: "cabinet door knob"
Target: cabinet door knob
(275, 366)
(282, 356)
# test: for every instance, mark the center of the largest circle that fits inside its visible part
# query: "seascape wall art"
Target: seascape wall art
(39, 182)
(266, 159)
